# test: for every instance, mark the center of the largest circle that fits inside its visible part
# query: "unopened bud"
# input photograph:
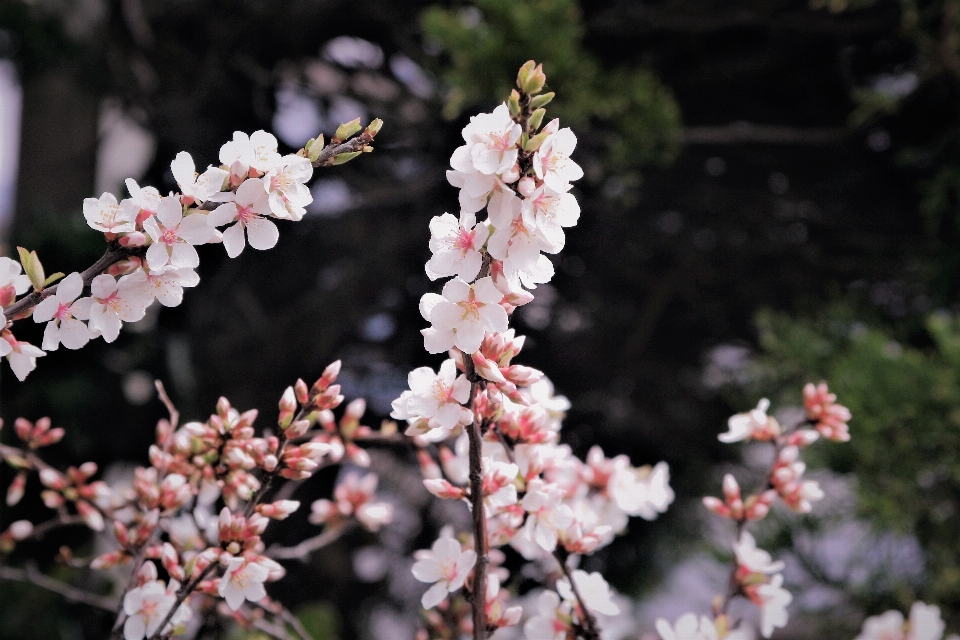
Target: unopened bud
(536, 118)
(346, 130)
(526, 186)
(301, 391)
(542, 100)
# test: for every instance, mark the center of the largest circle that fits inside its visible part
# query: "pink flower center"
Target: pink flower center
(245, 214)
(280, 182)
(464, 240)
(169, 237)
(500, 141)
(63, 312)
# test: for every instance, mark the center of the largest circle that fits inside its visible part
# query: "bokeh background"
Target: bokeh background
(771, 197)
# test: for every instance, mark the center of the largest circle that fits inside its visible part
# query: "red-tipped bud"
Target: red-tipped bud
(302, 392)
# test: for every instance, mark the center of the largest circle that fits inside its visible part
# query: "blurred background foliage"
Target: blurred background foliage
(771, 197)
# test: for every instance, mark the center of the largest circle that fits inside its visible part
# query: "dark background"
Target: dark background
(740, 156)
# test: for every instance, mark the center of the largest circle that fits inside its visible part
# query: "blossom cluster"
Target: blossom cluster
(152, 241)
(167, 518)
(755, 575)
(489, 429)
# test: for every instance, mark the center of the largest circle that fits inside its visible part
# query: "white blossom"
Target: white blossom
(593, 589)
(201, 187)
(257, 151)
(546, 212)
(166, 286)
(111, 307)
(148, 605)
(548, 623)
(456, 246)
(174, 235)
(773, 605)
(552, 162)
(438, 397)
(754, 559)
(64, 316)
(286, 188)
(462, 315)
(22, 356)
(446, 564)
(243, 580)
(107, 215)
(247, 209)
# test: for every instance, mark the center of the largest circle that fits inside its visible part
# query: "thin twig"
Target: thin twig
(588, 622)
(114, 254)
(182, 595)
(33, 576)
(308, 546)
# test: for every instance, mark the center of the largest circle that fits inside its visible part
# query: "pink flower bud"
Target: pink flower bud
(717, 506)
(21, 529)
(526, 186)
(130, 240)
(147, 573)
(301, 391)
(511, 175)
(16, 488)
(444, 489)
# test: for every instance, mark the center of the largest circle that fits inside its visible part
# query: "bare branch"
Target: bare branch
(33, 576)
(308, 546)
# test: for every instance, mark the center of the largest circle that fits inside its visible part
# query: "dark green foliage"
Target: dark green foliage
(488, 40)
(905, 402)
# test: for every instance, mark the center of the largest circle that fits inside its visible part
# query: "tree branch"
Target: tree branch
(588, 622)
(476, 502)
(308, 546)
(33, 576)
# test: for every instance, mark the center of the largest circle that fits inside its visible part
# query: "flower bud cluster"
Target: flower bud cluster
(755, 575)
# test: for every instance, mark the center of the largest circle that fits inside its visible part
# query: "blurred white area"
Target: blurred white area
(353, 52)
(125, 149)
(11, 104)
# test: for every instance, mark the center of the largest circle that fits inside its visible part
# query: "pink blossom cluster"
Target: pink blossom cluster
(755, 575)
(488, 428)
(165, 520)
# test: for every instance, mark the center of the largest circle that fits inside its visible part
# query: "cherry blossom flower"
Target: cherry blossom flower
(924, 624)
(553, 620)
(593, 589)
(552, 162)
(257, 151)
(166, 286)
(198, 188)
(547, 212)
(752, 559)
(517, 245)
(248, 209)
(645, 495)
(21, 355)
(438, 397)
(462, 314)
(63, 316)
(243, 580)
(285, 185)
(687, 627)
(146, 198)
(492, 141)
(12, 282)
(147, 606)
(111, 307)
(174, 235)
(752, 424)
(446, 564)
(107, 215)
(456, 246)
(772, 599)
(547, 514)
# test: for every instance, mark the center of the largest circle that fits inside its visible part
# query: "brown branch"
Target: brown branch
(33, 576)
(330, 152)
(308, 546)
(182, 595)
(478, 601)
(588, 623)
(114, 254)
